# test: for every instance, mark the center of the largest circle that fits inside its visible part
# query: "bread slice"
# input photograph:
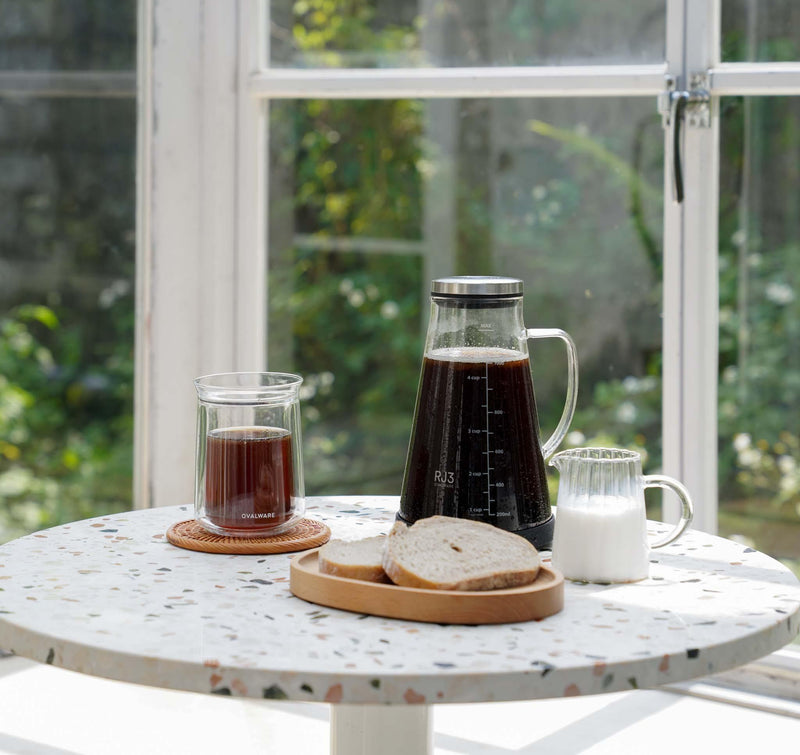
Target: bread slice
(445, 553)
(354, 559)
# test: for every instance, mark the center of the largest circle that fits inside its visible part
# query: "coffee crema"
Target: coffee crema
(249, 480)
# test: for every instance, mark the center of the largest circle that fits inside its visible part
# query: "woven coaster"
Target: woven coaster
(307, 533)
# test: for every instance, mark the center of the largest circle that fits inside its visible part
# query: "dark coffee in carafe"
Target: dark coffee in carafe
(477, 456)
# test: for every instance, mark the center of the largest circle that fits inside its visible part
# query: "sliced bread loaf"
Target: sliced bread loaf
(445, 553)
(355, 559)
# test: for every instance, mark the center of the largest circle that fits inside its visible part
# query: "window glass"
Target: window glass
(402, 33)
(760, 30)
(57, 35)
(369, 200)
(67, 196)
(759, 382)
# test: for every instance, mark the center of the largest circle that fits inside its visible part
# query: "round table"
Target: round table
(111, 597)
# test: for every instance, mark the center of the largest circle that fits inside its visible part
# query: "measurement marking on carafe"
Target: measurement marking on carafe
(488, 447)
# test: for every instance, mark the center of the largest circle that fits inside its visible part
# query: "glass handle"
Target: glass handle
(552, 443)
(687, 509)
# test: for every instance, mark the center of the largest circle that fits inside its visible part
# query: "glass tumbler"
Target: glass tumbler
(248, 462)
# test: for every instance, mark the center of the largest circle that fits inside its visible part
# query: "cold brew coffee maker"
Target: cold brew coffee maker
(475, 450)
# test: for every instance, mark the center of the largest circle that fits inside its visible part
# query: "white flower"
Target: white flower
(789, 484)
(626, 412)
(630, 384)
(633, 384)
(109, 295)
(389, 310)
(729, 374)
(779, 293)
(787, 464)
(741, 441)
(356, 298)
(739, 238)
(426, 168)
(345, 287)
(750, 457)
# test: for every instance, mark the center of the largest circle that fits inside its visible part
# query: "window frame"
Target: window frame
(204, 84)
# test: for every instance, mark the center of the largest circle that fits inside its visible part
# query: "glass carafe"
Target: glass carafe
(475, 450)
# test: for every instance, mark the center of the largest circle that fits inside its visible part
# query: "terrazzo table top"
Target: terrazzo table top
(111, 597)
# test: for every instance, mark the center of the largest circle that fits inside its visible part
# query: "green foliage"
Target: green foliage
(327, 30)
(358, 345)
(65, 432)
(760, 381)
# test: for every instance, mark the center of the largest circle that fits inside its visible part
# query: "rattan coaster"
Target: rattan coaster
(307, 533)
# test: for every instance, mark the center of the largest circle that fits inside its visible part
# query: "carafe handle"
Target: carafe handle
(552, 443)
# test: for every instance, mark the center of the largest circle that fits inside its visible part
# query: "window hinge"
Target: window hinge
(692, 107)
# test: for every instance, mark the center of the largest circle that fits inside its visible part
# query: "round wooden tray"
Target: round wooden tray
(541, 598)
(307, 533)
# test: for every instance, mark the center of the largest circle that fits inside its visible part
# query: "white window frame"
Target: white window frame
(203, 86)
(201, 263)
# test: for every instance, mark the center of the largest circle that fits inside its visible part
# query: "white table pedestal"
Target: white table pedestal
(389, 730)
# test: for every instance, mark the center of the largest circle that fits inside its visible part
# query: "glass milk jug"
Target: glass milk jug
(601, 527)
(475, 450)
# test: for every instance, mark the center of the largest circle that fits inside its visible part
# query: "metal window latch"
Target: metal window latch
(692, 106)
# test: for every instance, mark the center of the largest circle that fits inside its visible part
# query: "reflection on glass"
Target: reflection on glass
(71, 35)
(760, 30)
(407, 33)
(759, 382)
(66, 309)
(370, 200)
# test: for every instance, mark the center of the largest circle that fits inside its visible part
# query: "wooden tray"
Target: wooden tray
(543, 597)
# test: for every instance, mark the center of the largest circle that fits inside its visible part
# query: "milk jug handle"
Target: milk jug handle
(687, 509)
(552, 443)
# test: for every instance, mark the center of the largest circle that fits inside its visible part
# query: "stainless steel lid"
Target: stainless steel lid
(477, 285)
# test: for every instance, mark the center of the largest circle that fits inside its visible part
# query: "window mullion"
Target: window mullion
(250, 315)
(758, 79)
(391, 83)
(690, 277)
(67, 84)
(188, 293)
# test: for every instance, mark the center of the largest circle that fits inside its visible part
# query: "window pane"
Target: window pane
(759, 387)
(760, 30)
(58, 35)
(369, 200)
(66, 309)
(401, 33)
